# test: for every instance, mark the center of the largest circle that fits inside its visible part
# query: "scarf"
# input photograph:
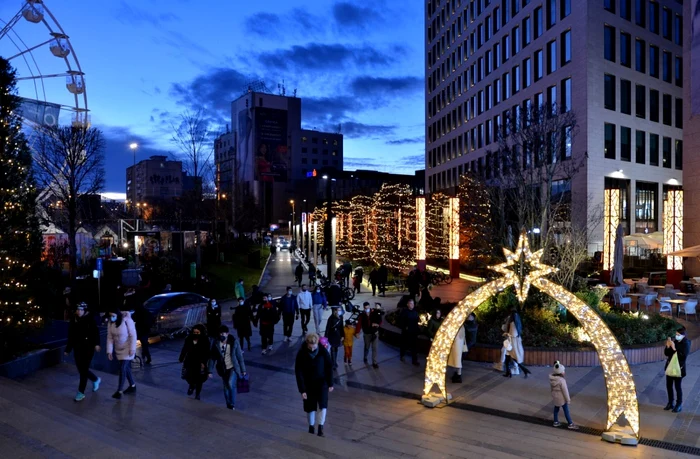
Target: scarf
(313, 354)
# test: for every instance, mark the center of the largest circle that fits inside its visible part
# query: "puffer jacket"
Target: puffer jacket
(560, 391)
(122, 339)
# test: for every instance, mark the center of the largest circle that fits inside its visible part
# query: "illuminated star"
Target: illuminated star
(528, 267)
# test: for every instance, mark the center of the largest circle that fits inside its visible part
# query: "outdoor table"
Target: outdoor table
(656, 286)
(638, 296)
(678, 304)
(685, 294)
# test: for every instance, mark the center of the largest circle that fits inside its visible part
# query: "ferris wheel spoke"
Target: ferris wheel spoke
(54, 75)
(10, 24)
(29, 50)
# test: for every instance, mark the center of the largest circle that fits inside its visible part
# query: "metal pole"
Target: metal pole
(330, 254)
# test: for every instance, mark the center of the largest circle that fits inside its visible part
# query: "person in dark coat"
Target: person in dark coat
(334, 295)
(267, 317)
(681, 346)
(314, 374)
(312, 274)
(408, 322)
(195, 358)
(83, 341)
(383, 278)
(368, 322)
(357, 279)
(213, 318)
(471, 326)
(242, 321)
(299, 274)
(335, 334)
(426, 302)
(256, 297)
(374, 280)
(143, 320)
(434, 324)
(289, 308)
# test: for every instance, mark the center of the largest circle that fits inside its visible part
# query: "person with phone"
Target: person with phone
(676, 351)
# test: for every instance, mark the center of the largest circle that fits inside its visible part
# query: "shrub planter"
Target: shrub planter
(575, 357)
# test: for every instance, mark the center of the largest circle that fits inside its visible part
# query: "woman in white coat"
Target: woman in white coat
(121, 341)
(515, 354)
(455, 358)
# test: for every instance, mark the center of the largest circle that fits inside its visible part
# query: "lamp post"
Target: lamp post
(134, 146)
(306, 241)
(293, 235)
(329, 239)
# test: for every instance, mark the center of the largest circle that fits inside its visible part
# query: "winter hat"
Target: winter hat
(558, 368)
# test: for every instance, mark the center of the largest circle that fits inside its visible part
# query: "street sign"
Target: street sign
(99, 264)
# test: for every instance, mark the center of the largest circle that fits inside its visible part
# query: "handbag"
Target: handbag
(243, 385)
(464, 347)
(674, 368)
(507, 345)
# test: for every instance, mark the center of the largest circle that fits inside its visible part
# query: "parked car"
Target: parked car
(283, 244)
(170, 310)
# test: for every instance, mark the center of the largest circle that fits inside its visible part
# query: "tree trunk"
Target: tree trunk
(72, 230)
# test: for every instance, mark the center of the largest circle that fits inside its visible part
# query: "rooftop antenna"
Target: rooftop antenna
(295, 92)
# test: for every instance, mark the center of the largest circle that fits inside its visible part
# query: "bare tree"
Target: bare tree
(194, 139)
(69, 162)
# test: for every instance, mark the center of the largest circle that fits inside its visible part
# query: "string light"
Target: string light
(673, 228)
(621, 390)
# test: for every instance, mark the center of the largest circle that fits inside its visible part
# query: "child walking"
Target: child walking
(348, 337)
(560, 395)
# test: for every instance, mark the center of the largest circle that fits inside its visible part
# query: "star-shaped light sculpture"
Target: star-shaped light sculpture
(522, 267)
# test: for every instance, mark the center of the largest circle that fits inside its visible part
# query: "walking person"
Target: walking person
(144, 321)
(213, 318)
(312, 274)
(334, 334)
(357, 279)
(383, 278)
(242, 320)
(194, 357)
(267, 317)
(459, 347)
(334, 295)
(560, 395)
(471, 327)
(318, 299)
(305, 302)
(299, 274)
(514, 356)
(676, 352)
(240, 289)
(314, 374)
(121, 342)
(374, 280)
(227, 357)
(83, 341)
(348, 339)
(408, 322)
(289, 308)
(368, 323)
(347, 273)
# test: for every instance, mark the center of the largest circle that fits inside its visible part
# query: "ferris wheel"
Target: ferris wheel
(50, 80)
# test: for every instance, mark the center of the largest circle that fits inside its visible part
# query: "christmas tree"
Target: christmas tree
(476, 235)
(20, 237)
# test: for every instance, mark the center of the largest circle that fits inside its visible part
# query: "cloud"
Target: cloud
(295, 23)
(404, 165)
(373, 86)
(132, 15)
(320, 56)
(353, 17)
(263, 24)
(406, 141)
(354, 130)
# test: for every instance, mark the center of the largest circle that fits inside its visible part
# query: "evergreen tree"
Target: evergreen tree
(476, 236)
(20, 236)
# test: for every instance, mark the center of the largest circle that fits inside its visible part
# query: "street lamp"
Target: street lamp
(329, 239)
(134, 146)
(291, 201)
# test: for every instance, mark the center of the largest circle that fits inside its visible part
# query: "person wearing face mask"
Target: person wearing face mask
(84, 341)
(121, 341)
(334, 333)
(676, 352)
(213, 318)
(267, 317)
(318, 299)
(290, 308)
(368, 323)
(194, 358)
(227, 357)
(242, 319)
(299, 274)
(314, 374)
(305, 303)
(434, 324)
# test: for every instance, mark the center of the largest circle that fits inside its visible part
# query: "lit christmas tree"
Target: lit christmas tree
(20, 237)
(476, 233)
(437, 237)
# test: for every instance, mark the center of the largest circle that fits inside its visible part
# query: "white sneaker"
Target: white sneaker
(269, 349)
(264, 351)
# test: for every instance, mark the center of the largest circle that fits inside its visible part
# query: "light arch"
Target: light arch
(619, 383)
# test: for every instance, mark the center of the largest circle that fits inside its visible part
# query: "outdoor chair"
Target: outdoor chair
(621, 301)
(649, 300)
(642, 287)
(690, 308)
(664, 306)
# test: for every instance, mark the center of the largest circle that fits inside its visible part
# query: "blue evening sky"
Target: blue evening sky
(354, 63)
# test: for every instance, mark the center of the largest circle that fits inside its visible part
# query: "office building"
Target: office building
(154, 179)
(617, 64)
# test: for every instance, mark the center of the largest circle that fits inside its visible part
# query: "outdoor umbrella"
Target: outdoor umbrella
(693, 251)
(618, 257)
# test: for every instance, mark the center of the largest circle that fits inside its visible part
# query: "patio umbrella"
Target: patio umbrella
(618, 257)
(693, 251)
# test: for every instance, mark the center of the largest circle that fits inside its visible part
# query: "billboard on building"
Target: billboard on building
(272, 160)
(695, 58)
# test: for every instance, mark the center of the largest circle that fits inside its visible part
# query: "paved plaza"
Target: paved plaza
(372, 412)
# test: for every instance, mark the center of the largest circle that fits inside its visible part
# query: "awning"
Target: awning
(693, 251)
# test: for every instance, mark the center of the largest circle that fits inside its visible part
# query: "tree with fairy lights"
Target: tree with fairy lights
(20, 237)
(476, 235)
(437, 236)
(394, 226)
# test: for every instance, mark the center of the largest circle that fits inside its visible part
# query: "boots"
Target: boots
(678, 408)
(457, 378)
(669, 406)
(311, 430)
(320, 430)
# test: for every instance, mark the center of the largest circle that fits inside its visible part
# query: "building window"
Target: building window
(304, 139)
(304, 150)
(640, 10)
(640, 147)
(314, 161)
(645, 207)
(568, 141)
(551, 56)
(654, 149)
(679, 113)
(666, 146)
(314, 139)
(516, 79)
(516, 40)
(609, 43)
(566, 95)
(654, 17)
(654, 61)
(640, 101)
(551, 13)
(609, 5)
(667, 110)
(314, 151)
(625, 143)
(539, 22)
(539, 65)
(565, 48)
(679, 71)
(626, 97)
(609, 141)
(506, 86)
(640, 55)
(609, 92)
(324, 162)
(679, 155)
(552, 100)
(666, 67)
(527, 31)
(527, 72)
(506, 47)
(678, 30)
(564, 8)
(654, 105)
(304, 160)
(625, 12)
(666, 23)
(625, 49)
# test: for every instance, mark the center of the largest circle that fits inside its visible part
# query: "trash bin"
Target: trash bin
(193, 270)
